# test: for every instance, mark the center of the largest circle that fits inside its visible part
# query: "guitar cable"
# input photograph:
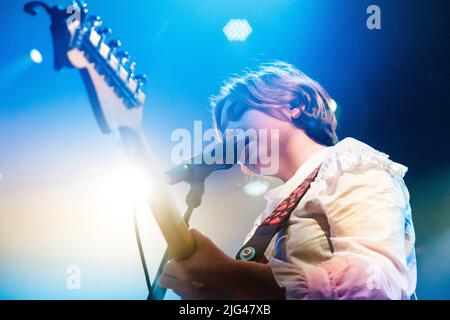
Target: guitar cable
(155, 291)
(142, 256)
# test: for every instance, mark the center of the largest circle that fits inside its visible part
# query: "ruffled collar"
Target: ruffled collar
(346, 156)
(302, 172)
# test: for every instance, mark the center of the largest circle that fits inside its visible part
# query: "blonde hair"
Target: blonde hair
(276, 88)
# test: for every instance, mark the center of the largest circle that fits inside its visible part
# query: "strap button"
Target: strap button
(247, 253)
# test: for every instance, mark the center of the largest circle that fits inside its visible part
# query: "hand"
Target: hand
(211, 274)
(205, 275)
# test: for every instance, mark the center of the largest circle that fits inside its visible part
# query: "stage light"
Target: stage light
(124, 187)
(237, 30)
(256, 188)
(36, 56)
(134, 183)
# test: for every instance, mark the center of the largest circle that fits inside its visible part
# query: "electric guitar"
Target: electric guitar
(117, 99)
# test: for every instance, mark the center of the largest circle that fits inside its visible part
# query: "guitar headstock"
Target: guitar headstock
(81, 41)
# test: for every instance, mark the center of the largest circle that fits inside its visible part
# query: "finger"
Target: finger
(172, 269)
(168, 282)
(182, 288)
(197, 234)
(170, 275)
(178, 285)
(200, 238)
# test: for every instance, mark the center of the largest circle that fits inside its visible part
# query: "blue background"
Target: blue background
(392, 87)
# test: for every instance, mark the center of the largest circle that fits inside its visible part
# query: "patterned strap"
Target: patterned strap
(254, 249)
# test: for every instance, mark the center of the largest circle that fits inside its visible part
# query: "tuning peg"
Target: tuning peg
(132, 67)
(123, 57)
(104, 31)
(131, 70)
(82, 6)
(81, 9)
(115, 44)
(94, 21)
(141, 79)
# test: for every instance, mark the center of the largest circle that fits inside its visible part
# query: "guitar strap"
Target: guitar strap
(254, 249)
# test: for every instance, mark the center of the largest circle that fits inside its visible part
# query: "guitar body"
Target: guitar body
(117, 99)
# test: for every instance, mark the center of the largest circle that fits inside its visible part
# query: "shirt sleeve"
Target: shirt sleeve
(366, 211)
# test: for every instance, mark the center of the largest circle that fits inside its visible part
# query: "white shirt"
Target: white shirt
(351, 236)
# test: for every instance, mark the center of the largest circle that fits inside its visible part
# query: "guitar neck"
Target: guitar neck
(173, 227)
(117, 99)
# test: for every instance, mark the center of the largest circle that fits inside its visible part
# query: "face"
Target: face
(270, 134)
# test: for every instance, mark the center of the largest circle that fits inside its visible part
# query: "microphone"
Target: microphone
(200, 166)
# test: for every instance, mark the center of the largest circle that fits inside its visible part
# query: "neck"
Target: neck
(298, 149)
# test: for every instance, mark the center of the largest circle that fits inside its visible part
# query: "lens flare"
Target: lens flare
(256, 188)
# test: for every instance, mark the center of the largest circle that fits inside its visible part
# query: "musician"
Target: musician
(351, 235)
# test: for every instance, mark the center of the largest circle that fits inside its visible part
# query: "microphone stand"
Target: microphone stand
(196, 179)
(193, 201)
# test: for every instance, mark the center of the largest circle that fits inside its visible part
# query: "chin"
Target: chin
(260, 170)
